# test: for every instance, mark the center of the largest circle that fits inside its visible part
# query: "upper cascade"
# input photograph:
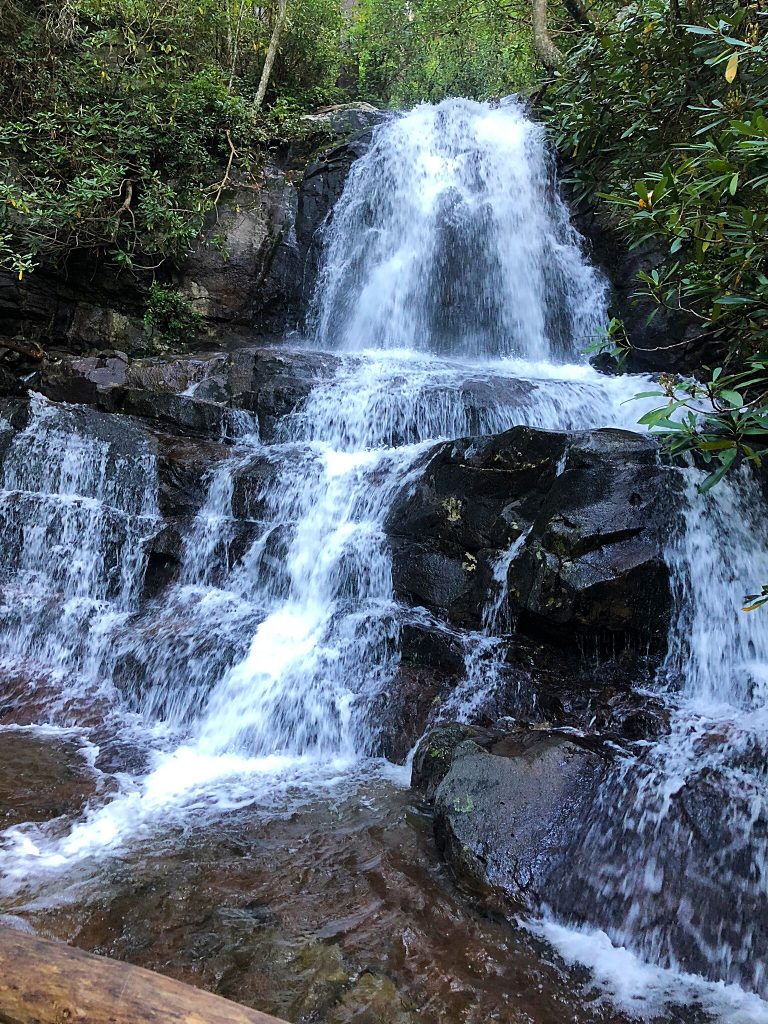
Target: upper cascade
(451, 238)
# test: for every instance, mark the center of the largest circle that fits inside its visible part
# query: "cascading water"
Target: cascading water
(679, 876)
(456, 291)
(451, 238)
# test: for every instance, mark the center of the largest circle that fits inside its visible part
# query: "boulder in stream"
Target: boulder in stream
(582, 518)
(506, 808)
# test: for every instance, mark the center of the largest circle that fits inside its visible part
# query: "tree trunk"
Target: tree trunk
(43, 982)
(547, 52)
(282, 11)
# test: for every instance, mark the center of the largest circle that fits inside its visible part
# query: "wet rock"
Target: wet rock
(670, 858)
(214, 395)
(227, 274)
(660, 339)
(184, 466)
(505, 817)
(164, 554)
(324, 974)
(588, 510)
(272, 383)
(431, 665)
(324, 179)
(437, 750)
(594, 560)
(11, 386)
(43, 775)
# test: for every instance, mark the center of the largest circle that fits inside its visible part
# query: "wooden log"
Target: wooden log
(44, 982)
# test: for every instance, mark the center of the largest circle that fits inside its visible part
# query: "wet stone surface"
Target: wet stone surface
(43, 775)
(336, 912)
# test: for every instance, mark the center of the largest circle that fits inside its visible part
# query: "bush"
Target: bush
(666, 121)
(120, 115)
(170, 315)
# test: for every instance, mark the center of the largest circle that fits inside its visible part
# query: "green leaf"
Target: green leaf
(713, 479)
(733, 398)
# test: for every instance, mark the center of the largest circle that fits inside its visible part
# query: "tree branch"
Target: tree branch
(29, 349)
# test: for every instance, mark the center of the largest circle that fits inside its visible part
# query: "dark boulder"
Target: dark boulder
(669, 860)
(593, 562)
(436, 752)
(505, 816)
(324, 180)
(184, 466)
(587, 513)
(274, 382)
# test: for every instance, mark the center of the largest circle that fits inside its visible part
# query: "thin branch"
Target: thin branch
(225, 180)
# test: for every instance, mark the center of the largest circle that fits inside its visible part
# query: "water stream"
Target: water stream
(459, 298)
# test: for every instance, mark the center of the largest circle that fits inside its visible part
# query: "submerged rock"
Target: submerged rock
(43, 775)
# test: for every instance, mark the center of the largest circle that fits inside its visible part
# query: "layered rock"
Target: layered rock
(210, 395)
(582, 517)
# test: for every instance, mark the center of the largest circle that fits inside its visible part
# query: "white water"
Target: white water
(459, 295)
(451, 238)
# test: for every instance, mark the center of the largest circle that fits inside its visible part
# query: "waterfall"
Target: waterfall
(673, 860)
(451, 238)
(458, 298)
(77, 503)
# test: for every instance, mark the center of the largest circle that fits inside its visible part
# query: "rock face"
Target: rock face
(670, 341)
(251, 269)
(507, 808)
(586, 515)
(211, 395)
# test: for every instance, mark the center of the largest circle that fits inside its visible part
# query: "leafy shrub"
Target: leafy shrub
(662, 115)
(171, 315)
(666, 121)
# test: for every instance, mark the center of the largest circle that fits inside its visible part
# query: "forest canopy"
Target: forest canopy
(119, 115)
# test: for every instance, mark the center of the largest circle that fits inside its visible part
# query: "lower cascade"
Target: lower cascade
(429, 530)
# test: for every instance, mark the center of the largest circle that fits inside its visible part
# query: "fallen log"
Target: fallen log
(44, 982)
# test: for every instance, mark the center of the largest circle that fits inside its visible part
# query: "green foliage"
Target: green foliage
(724, 419)
(613, 342)
(120, 116)
(662, 114)
(170, 315)
(666, 121)
(406, 53)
